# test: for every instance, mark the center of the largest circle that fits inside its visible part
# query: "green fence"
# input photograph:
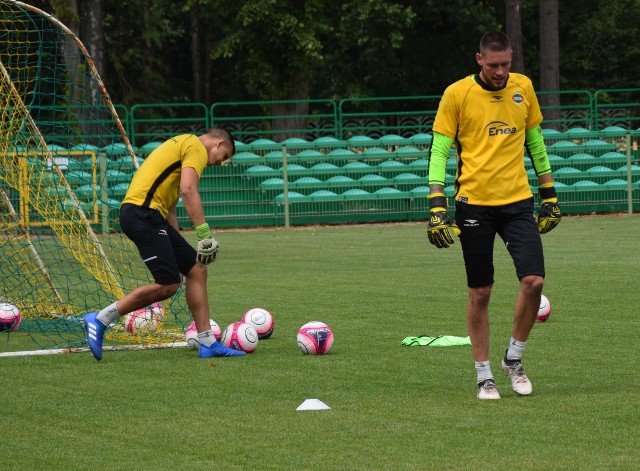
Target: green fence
(358, 160)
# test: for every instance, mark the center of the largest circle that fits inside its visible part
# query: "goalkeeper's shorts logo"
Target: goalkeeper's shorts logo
(471, 223)
(162, 232)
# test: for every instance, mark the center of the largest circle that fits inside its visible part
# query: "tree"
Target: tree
(514, 32)
(550, 61)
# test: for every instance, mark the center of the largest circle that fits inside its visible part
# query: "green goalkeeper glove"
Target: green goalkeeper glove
(549, 215)
(440, 224)
(207, 245)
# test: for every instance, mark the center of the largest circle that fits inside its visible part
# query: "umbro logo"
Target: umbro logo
(471, 223)
(162, 232)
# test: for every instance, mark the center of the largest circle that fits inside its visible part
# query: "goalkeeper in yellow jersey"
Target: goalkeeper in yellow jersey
(493, 117)
(147, 217)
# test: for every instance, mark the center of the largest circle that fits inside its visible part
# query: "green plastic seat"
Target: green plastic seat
(324, 195)
(358, 194)
(272, 184)
(149, 147)
(292, 195)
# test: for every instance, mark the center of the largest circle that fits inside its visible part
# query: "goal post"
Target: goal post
(65, 161)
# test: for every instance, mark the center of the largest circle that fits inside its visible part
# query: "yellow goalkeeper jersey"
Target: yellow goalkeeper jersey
(156, 184)
(489, 130)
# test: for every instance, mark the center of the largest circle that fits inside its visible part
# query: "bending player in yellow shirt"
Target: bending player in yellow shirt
(147, 217)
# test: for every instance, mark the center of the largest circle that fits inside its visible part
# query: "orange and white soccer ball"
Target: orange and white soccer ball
(10, 317)
(144, 320)
(192, 333)
(315, 338)
(544, 311)
(240, 336)
(261, 320)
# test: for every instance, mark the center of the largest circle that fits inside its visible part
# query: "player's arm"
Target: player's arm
(207, 245)
(441, 226)
(550, 214)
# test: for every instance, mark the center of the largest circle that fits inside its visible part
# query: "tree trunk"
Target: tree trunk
(195, 55)
(550, 62)
(293, 125)
(514, 32)
(92, 32)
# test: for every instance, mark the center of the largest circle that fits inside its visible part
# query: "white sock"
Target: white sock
(206, 338)
(108, 315)
(515, 350)
(483, 368)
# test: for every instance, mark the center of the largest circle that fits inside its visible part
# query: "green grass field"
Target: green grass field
(392, 407)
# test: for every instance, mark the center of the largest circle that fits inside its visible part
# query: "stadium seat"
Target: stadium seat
(615, 184)
(376, 153)
(420, 164)
(247, 158)
(324, 195)
(324, 168)
(581, 159)
(292, 195)
(390, 193)
(326, 140)
(357, 167)
(309, 155)
(275, 156)
(358, 194)
(564, 148)
(272, 184)
(548, 132)
(373, 180)
(420, 192)
(261, 171)
(598, 147)
(408, 178)
(338, 181)
(422, 139)
(293, 141)
(78, 177)
(149, 147)
(118, 191)
(115, 149)
(360, 140)
(306, 182)
(391, 165)
(392, 140)
(614, 129)
(612, 159)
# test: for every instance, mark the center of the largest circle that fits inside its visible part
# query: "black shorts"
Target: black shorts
(515, 223)
(164, 251)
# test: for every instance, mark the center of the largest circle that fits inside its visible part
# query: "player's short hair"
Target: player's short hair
(495, 41)
(225, 135)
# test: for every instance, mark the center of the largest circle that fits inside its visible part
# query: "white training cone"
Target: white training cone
(313, 404)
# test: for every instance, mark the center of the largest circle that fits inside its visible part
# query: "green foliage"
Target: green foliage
(600, 46)
(392, 407)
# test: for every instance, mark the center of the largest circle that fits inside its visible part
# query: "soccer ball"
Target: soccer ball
(261, 320)
(10, 317)
(544, 311)
(315, 338)
(192, 333)
(144, 320)
(240, 336)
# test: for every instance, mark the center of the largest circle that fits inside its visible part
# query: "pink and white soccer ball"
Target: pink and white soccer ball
(544, 311)
(315, 338)
(144, 320)
(261, 320)
(240, 336)
(192, 333)
(10, 317)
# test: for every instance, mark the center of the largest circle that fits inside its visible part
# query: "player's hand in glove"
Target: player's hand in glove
(207, 245)
(441, 226)
(549, 215)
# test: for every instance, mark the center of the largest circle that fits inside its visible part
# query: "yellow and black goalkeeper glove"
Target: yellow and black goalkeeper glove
(440, 224)
(549, 215)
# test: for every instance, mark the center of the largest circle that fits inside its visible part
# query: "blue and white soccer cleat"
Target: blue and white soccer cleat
(95, 333)
(218, 350)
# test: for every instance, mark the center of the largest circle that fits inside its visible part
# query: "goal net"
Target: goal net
(65, 165)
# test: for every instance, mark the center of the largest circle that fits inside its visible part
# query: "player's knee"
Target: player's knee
(532, 284)
(166, 291)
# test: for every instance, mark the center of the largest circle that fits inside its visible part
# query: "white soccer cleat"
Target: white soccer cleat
(519, 381)
(488, 390)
